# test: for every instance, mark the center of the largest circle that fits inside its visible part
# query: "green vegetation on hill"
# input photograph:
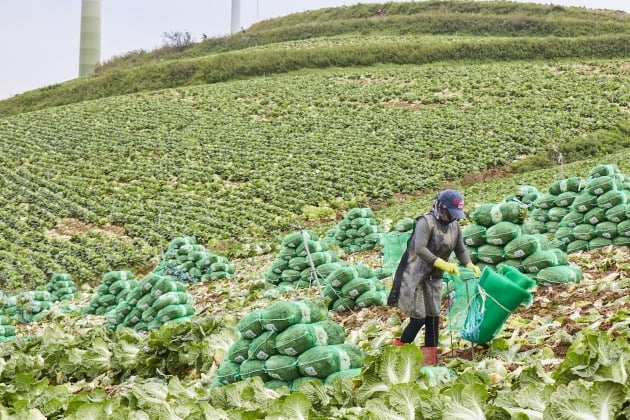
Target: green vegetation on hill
(98, 186)
(478, 31)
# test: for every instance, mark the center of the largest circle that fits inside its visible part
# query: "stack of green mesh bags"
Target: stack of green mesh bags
(552, 207)
(7, 331)
(498, 239)
(292, 266)
(62, 287)
(32, 306)
(187, 261)
(152, 302)
(358, 231)
(394, 244)
(599, 214)
(113, 289)
(8, 305)
(354, 286)
(287, 344)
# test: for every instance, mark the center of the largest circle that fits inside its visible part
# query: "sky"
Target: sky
(39, 39)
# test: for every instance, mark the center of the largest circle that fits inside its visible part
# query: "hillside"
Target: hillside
(104, 184)
(477, 31)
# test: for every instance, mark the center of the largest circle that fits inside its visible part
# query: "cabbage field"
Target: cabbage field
(104, 185)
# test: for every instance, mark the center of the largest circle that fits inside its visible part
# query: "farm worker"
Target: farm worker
(418, 279)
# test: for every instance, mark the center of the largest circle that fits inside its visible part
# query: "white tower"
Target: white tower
(90, 47)
(236, 16)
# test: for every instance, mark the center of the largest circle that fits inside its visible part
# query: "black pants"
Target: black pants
(431, 323)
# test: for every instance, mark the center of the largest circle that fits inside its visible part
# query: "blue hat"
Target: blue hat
(453, 200)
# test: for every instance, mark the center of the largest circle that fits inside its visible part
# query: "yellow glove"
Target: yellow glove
(474, 268)
(450, 268)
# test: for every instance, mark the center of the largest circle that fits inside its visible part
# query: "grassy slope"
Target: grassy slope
(560, 32)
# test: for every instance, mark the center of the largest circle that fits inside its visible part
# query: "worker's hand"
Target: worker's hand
(474, 268)
(450, 268)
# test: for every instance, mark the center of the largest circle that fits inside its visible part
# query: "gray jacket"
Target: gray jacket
(417, 283)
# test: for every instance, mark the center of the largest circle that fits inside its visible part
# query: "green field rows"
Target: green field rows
(236, 163)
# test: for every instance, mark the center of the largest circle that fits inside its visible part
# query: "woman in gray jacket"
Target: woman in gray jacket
(418, 279)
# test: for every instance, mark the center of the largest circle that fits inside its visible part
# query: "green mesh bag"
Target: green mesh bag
(114, 276)
(404, 225)
(599, 243)
(611, 199)
(238, 351)
(293, 240)
(621, 241)
(325, 269)
(297, 264)
(326, 257)
(252, 368)
(301, 337)
(472, 253)
(572, 219)
(564, 235)
(534, 227)
(603, 170)
(584, 202)
(171, 312)
(623, 228)
(502, 233)
(546, 201)
(263, 346)
(309, 247)
(394, 246)
(228, 373)
(584, 232)
(490, 254)
(343, 304)
(323, 361)
(595, 216)
(291, 275)
(566, 199)
(355, 213)
(539, 260)
(490, 214)
(600, 185)
(250, 325)
(521, 247)
(556, 214)
(382, 273)
(606, 230)
(169, 298)
(360, 285)
(297, 383)
(279, 265)
(540, 215)
(342, 375)
(571, 184)
(282, 368)
(577, 245)
(552, 227)
(561, 274)
(341, 276)
(287, 254)
(282, 315)
(359, 222)
(617, 214)
(372, 298)
(474, 235)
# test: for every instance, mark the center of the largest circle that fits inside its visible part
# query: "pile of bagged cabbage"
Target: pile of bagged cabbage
(143, 305)
(301, 253)
(349, 287)
(585, 214)
(7, 331)
(499, 237)
(186, 260)
(287, 344)
(61, 286)
(358, 231)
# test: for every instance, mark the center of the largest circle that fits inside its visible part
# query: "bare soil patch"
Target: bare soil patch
(69, 227)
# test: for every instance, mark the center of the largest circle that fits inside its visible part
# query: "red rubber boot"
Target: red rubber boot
(430, 356)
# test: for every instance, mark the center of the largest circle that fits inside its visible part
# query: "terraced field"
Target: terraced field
(236, 163)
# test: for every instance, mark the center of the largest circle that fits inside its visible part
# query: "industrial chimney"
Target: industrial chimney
(236, 16)
(90, 53)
